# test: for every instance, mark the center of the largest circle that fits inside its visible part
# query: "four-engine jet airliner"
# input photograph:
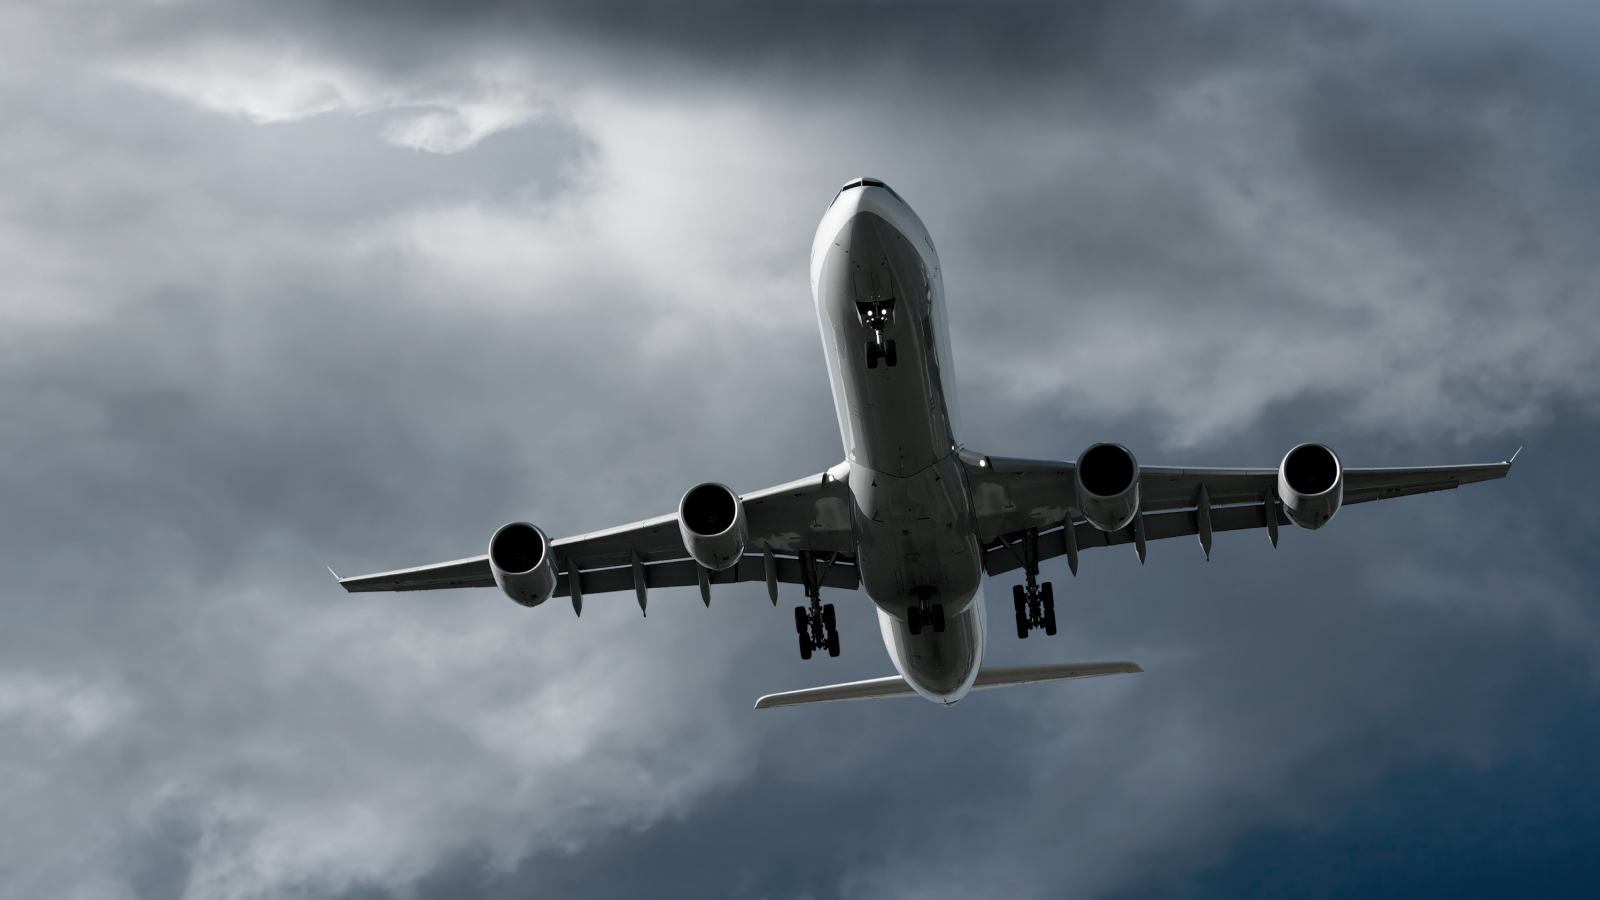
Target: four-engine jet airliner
(912, 515)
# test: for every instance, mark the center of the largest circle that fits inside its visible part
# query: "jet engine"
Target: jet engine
(1311, 485)
(711, 521)
(1108, 486)
(519, 557)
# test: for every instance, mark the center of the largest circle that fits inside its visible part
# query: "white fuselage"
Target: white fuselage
(915, 534)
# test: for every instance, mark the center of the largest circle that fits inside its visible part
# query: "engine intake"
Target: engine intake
(1108, 486)
(711, 521)
(519, 557)
(1311, 485)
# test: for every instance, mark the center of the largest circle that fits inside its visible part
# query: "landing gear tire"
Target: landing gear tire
(802, 623)
(888, 354)
(872, 355)
(1049, 596)
(914, 619)
(1022, 624)
(833, 642)
(827, 617)
(805, 646)
(938, 617)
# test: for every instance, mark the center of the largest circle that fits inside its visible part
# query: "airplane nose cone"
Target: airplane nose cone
(849, 202)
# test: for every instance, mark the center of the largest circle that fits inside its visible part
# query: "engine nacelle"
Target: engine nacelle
(519, 557)
(1311, 485)
(1108, 486)
(711, 521)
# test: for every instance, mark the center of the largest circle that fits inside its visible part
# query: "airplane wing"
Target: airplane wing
(1012, 496)
(809, 516)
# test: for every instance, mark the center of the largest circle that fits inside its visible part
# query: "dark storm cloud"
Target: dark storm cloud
(1004, 39)
(297, 285)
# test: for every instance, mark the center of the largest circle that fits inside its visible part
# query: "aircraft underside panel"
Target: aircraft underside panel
(940, 666)
(898, 418)
(915, 541)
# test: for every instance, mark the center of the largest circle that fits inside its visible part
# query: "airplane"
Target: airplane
(912, 515)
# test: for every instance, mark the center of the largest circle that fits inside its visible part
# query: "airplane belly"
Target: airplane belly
(916, 539)
(940, 666)
(895, 418)
(880, 304)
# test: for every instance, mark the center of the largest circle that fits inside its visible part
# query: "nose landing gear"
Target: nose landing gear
(880, 349)
(877, 314)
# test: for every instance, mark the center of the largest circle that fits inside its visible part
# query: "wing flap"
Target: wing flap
(475, 572)
(1002, 558)
(684, 573)
(1166, 488)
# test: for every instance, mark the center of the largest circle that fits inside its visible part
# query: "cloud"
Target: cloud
(246, 340)
(270, 83)
(262, 83)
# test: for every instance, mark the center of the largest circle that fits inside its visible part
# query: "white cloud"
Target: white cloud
(263, 83)
(70, 708)
(452, 361)
(459, 122)
(275, 83)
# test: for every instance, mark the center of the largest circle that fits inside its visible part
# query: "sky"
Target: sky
(294, 285)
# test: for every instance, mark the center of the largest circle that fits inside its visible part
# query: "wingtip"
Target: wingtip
(334, 574)
(1513, 458)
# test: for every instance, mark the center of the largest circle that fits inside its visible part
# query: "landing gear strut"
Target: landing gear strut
(815, 624)
(1036, 603)
(925, 614)
(880, 349)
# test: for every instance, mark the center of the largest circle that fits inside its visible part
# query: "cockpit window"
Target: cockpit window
(865, 182)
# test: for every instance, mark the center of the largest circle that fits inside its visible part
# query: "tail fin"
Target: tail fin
(895, 686)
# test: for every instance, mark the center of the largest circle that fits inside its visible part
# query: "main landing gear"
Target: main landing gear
(925, 614)
(1036, 603)
(815, 624)
(816, 628)
(877, 315)
(1036, 607)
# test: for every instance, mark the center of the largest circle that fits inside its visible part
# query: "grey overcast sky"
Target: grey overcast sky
(289, 285)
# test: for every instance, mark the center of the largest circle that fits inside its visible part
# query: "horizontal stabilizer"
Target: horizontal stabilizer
(895, 686)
